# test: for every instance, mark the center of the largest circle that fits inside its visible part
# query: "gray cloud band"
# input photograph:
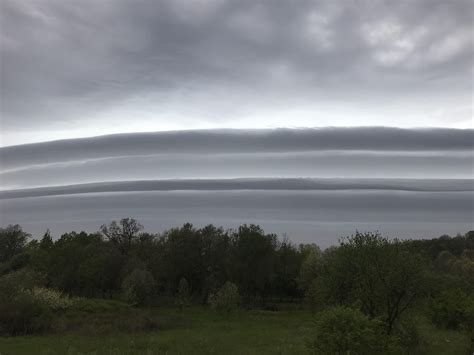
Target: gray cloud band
(425, 185)
(238, 141)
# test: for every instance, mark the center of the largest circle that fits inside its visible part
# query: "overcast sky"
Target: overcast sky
(85, 68)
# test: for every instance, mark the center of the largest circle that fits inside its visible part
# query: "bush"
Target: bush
(14, 282)
(52, 299)
(227, 299)
(183, 294)
(408, 334)
(20, 311)
(343, 330)
(138, 287)
(452, 309)
(22, 314)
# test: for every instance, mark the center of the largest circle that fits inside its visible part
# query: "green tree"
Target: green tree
(253, 261)
(378, 275)
(47, 241)
(122, 234)
(311, 266)
(286, 271)
(12, 241)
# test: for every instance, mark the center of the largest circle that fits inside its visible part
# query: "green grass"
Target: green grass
(199, 330)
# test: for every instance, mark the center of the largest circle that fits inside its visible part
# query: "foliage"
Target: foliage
(380, 277)
(227, 299)
(22, 314)
(52, 299)
(183, 294)
(343, 330)
(12, 241)
(122, 234)
(138, 287)
(375, 274)
(20, 311)
(311, 266)
(253, 259)
(408, 334)
(452, 309)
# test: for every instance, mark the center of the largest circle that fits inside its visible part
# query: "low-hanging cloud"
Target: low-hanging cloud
(238, 141)
(275, 184)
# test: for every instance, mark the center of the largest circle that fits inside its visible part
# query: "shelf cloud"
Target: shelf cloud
(239, 141)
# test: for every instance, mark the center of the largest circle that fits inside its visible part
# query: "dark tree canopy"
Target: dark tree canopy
(12, 241)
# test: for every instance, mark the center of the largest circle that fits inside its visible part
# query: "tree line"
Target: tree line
(95, 264)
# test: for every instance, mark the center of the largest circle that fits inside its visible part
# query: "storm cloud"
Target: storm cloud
(75, 69)
(311, 118)
(209, 154)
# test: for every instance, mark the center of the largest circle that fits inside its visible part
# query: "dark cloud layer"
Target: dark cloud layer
(64, 64)
(238, 141)
(330, 164)
(426, 185)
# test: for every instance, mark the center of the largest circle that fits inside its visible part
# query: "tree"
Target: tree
(311, 266)
(253, 261)
(47, 241)
(286, 269)
(99, 272)
(342, 330)
(378, 275)
(227, 299)
(138, 287)
(183, 257)
(12, 241)
(183, 294)
(122, 234)
(62, 263)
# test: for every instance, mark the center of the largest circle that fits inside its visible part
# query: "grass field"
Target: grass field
(199, 330)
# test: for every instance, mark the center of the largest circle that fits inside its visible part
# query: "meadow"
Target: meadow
(200, 330)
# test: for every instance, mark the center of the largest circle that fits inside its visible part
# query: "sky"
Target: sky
(309, 118)
(85, 68)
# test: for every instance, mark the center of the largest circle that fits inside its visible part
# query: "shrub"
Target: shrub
(452, 309)
(21, 311)
(183, 294)
(408, 334)
(227, 299)
(52, 299)
(22, 314)
(14, 282)
(138, 287)
(343, 330)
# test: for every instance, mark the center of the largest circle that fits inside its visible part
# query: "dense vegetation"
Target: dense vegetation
(369, 294)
